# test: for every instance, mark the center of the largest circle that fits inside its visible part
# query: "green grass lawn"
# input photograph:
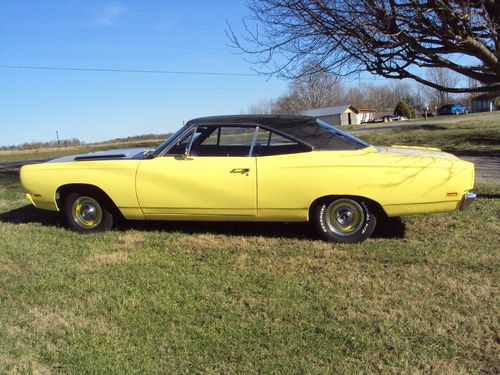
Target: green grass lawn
(247, 298)
(255, 298)
(478, 137)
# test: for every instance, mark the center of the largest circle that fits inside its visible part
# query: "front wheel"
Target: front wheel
(343, 220)
(86, 214)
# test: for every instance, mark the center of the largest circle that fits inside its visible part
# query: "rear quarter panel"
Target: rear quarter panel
(400, 184)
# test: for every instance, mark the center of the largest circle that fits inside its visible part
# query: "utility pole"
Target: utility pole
(57, 136)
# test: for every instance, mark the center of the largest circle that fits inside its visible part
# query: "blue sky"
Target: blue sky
(93, 106)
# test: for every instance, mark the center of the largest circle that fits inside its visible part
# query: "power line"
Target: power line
(173, 72)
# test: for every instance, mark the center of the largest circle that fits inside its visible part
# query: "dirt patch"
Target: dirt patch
(101, 260)
(9, 268)
(244, 244)
(122, 252)
(129, 241)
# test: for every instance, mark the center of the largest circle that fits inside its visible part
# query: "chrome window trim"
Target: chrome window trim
(188, 151)
(254, 138)
(190, 127)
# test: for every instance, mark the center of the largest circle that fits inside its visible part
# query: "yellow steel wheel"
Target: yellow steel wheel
(344, 217)
(86, 212)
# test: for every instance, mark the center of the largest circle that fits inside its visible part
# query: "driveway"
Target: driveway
(487, 167)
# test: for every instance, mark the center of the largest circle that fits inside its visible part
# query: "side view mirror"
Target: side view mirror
(186, 155)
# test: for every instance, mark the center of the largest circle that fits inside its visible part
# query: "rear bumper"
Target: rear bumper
(30, 199)
(467, 200)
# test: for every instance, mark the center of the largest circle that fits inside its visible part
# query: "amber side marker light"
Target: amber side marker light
(452, 194)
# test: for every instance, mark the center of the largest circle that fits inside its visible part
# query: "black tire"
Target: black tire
(87, 213)
(345, 220)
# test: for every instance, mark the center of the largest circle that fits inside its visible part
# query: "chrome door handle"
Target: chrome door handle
(240, 170)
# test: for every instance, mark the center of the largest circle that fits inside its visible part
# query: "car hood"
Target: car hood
(428, 152)
(119, 154)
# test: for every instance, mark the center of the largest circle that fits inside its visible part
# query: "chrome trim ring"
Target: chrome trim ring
(86, 212)
(344, 217)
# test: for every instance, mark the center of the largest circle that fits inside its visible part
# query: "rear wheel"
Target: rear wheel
(86, 213)
(344, 220)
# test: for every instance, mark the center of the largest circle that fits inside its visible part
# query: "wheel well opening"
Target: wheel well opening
(91, 190)
(373, 206)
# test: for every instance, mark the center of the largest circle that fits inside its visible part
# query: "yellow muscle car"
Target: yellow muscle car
(253, 168)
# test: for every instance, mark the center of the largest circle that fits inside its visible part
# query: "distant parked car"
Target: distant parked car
(389, 118)
(452, 109)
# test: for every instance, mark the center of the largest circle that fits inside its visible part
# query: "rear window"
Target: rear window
(346, 137)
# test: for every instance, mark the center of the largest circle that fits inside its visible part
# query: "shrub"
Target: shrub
(403, 109)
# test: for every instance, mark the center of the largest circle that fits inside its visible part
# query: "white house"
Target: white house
(337, 116)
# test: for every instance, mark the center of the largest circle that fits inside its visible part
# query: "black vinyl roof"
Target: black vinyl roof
(269, 120)
(304, 128)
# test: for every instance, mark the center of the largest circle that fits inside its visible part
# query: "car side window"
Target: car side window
(235, 141)
(236, 136)
(270, 143)
(224, 141)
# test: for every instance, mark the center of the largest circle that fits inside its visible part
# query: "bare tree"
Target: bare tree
(263, 107)
(468, 97)
(356, 96)
(289, 104)
(442, 77)
(390, 38)
(378, 97)
(315, 90)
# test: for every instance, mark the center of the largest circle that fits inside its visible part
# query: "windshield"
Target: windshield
(165, 143)
(345, 136)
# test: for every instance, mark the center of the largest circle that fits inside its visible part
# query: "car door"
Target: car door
(282, 188)
(216, 179)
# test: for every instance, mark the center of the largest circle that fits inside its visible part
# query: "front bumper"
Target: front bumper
(467, 200)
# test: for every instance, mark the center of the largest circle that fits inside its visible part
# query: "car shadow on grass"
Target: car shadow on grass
(29, 214)
(264, 229)
(389, 228)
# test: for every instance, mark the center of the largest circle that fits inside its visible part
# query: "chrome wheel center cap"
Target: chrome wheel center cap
(345, 217)
(88, 212)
